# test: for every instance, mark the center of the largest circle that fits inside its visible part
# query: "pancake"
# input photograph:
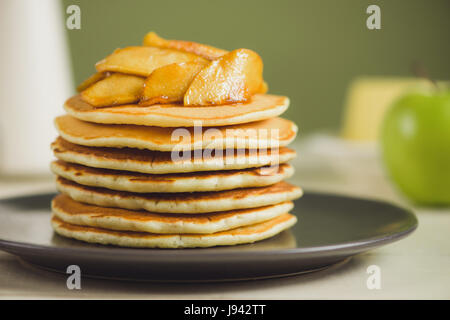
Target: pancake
(78, 213)
(181, 182)
(241, 235)
(189, 203)
(262, 106)
(271, 133)
(156, 162)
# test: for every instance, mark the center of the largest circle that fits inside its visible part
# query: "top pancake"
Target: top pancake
(262, 106)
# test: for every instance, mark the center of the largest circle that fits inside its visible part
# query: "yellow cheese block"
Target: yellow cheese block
(367, 101)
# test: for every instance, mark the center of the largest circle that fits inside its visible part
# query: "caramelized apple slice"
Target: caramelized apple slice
(169, 83)
(234, 77)
(203, 50)
(113, 90)
(142, 61)
(91, 80)
(264, 87)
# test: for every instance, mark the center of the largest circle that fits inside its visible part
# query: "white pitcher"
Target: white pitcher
(35, 80)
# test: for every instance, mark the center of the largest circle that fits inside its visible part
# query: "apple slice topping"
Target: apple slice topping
(203, 50)
(169, 84)
(264, 87)
(91, 80)
(174, 71)
(114, 90)
(142, 61)
(232, 78)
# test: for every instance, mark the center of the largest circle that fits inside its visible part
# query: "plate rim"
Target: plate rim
(187, 254)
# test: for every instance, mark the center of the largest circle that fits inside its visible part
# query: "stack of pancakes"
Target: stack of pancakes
(174, 176)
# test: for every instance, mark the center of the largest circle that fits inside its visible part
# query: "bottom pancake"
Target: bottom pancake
(78, 213)
(241, 235)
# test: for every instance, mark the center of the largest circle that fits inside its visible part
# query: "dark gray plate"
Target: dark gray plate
(330, 229)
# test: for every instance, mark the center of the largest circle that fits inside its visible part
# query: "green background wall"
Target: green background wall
(311, 49)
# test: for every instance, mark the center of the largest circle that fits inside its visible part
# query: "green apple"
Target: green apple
(415, 142)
